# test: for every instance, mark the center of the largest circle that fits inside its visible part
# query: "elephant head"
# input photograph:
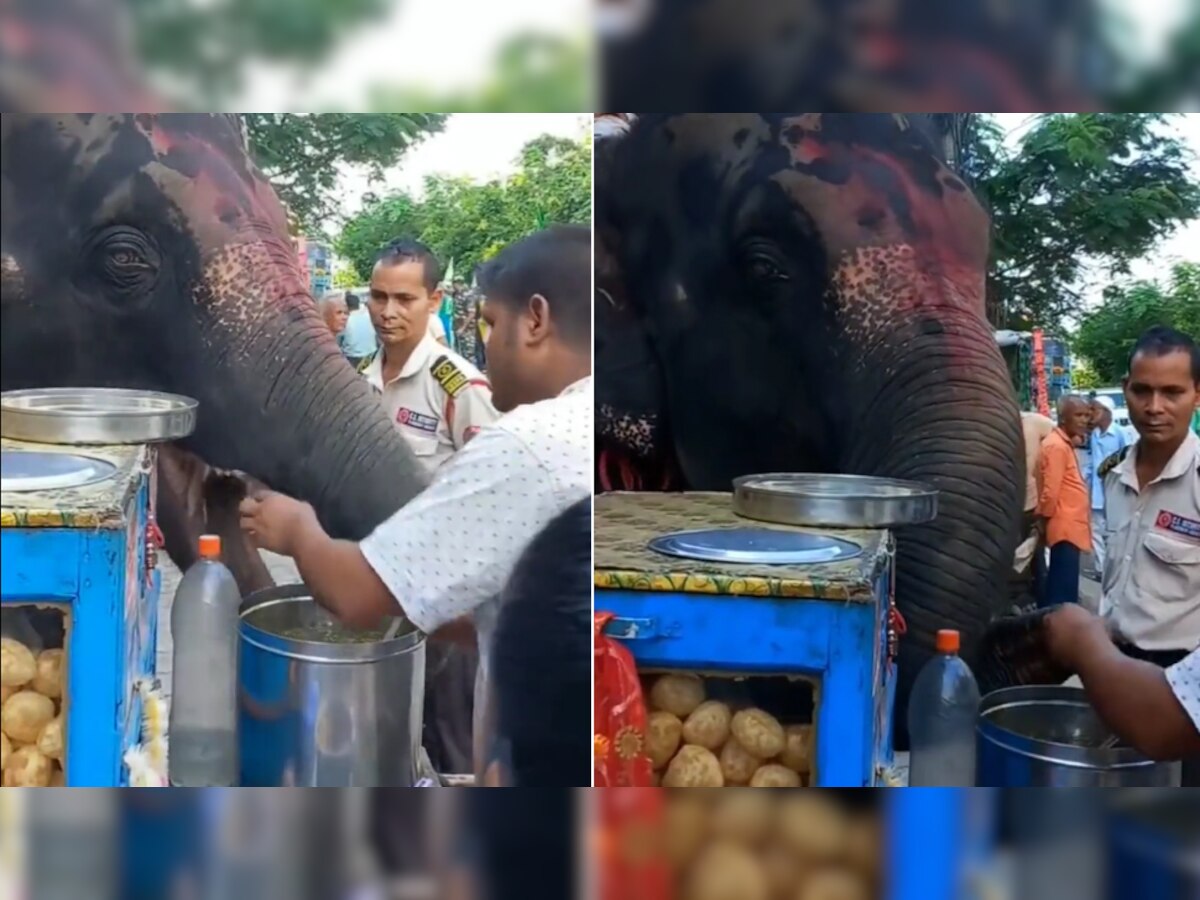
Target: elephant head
(147, 251)
(811, 288)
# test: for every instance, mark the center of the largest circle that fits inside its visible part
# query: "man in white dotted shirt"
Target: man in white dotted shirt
(436, 400)
(1156, 711)
(445, 557)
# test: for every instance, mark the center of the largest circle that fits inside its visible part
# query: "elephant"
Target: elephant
(949, 55)
(805, 292)
(147, 251)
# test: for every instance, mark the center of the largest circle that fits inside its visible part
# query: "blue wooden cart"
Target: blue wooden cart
(831, 623)
(82, 552)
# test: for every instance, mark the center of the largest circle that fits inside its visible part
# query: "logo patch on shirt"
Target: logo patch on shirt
(452, 379)
(1177, 524)
(414, 419)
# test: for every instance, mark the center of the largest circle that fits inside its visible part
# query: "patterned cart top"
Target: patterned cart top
(100, 505)
(627, 522)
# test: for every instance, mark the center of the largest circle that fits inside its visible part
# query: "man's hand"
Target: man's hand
(276, 522)
(1072, 633)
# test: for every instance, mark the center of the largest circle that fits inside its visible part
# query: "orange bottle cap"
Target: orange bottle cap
(948, 641)
(210, 546)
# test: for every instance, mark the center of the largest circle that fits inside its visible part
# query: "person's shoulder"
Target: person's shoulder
(454, 373)
(1112, 461)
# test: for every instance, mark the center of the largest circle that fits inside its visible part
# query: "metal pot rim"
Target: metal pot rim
(315, 651)
(1067, 755)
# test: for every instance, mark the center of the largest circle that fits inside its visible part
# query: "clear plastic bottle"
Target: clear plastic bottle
(942, 711)
(202, 735)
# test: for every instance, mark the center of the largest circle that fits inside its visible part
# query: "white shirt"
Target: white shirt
(1152, 541)
(451, 550)
(437, 403)
(1184, 679)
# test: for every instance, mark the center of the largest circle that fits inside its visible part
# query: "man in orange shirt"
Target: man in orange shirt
(1064, 509)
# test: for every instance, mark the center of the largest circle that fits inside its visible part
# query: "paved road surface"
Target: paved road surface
(283, 570)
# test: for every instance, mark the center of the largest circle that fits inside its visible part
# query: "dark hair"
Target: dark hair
(351, 301)
(556, 263)
(521, 845)
(403, 250)
(542, 656)
(1162, 341)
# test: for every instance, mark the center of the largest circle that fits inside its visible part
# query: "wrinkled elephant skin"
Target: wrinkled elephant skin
(812, 288)
(147, 251)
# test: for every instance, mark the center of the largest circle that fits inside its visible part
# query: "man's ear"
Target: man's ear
(540, 324)
(436, 296)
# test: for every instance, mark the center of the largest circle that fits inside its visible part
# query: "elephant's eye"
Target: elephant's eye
(764, 269)
(122, 261)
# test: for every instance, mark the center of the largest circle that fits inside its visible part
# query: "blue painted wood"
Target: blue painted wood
(834, 642)
(925, 843)
(111, 639)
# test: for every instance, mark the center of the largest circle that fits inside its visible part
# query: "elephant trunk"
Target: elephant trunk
(298, 417)
(942, 412)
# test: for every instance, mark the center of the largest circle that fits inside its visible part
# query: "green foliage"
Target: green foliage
(531, 73)
(470, 222)
(1087, 189)
(205, 47)
(345, 278)
(301, 153)
(1084, 376)
(1107, 334)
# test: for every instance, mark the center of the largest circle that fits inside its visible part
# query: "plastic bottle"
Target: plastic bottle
(202, 735)
(942, 711)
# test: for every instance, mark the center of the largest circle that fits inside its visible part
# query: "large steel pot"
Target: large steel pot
(1051, 737)
(325, 714)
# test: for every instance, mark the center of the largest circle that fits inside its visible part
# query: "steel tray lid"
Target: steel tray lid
(99, 416)
(755, 545)
(833, 501)
(34, 470)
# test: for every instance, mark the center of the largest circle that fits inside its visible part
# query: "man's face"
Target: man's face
(1101, 416)
(1075, 419)
(1162, 396)
(507, 360)
(399, 302)
(336, 315)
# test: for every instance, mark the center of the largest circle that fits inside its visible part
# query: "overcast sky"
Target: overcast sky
(1183, 245)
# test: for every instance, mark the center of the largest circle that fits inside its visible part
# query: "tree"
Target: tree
(470, 222)
(1107, 334)
(204, 48)
(530, 73)
(1087, 189)
(301, 154)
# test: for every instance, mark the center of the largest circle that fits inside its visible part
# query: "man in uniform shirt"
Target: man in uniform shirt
(436, 399)
(448, 553)
(1152, 500)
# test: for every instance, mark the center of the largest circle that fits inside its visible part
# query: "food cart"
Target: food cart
(79, 585)
(810, 642)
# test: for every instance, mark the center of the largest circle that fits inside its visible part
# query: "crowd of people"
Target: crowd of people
(496, 552)
(1135, 507)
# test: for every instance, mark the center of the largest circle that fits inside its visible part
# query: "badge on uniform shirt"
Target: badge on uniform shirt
(414, 419)
(452, 379)
(1177, 524)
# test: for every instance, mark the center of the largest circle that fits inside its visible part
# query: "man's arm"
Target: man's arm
(1052, 468)
(1131, 697)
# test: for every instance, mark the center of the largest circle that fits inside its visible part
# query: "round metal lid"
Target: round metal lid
(764, 546)
(35, 470)
(833, 501)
